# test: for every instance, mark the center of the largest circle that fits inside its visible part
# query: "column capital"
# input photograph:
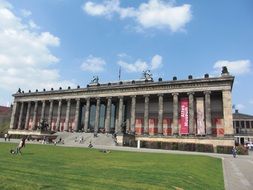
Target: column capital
(109, 97)
(207, 92)
(160, 94)
(87, 99)
(146, 95)
(121, 97)
(77, 99)
(190, 93)
(175, 94)
(133, 96)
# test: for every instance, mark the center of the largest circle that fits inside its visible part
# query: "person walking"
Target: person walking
(20, 145)
(234, 152)
(5, 136)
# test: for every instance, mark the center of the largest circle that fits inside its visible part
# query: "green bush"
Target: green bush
(174, 146)
(224, 149)
(149, 144)
(166, 145)
(204, 148)
(241, 150)
(186, 146)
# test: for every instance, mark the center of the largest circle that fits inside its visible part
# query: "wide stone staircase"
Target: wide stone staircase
(84, 139)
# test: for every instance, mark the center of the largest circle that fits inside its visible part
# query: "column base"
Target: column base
(119, 139)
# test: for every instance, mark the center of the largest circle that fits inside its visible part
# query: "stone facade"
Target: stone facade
(243, 127)
(142, 108)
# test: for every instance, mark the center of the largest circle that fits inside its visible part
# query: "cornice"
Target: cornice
(193, 85)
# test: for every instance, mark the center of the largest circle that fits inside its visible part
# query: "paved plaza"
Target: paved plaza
(238, 172)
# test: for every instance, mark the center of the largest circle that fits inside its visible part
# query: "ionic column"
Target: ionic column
(13, 114)
(97, 116)
(208, 113)
(35, 115)
(160, 114)
(77, 114)
(58, 115)
(120, 116)
(66, 123)
(27, 115)
(175, 114)
(43, 110)
(227, 112)
(146, 113)
(133, 109)
(87, 114)
(191, 113)
(108, 115)
(50, 114)
(20, 115)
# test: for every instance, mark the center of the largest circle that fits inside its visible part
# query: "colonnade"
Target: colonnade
(19, 115)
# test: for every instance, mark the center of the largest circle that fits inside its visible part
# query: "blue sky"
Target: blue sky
(47, 43)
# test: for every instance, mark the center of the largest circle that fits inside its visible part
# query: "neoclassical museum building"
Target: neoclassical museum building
(192, 110)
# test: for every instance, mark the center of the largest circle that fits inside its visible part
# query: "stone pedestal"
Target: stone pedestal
(120, 140)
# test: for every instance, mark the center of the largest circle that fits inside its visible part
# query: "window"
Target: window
(242, 124)
(247, 124)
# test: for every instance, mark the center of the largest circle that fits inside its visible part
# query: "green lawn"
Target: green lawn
(54, 167)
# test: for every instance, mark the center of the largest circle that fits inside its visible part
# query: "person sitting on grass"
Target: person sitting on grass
(90, 145)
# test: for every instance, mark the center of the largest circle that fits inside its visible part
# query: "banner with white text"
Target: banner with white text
(184, 120)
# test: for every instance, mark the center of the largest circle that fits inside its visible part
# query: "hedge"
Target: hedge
(224, 149)
(178, 146)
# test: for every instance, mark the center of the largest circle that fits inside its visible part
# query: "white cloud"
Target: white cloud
(156, 62)
(25, 56)
(154, 14)
(97, 9)
(237, 67)
(139, 65)
(240, 107)
(159, 14)
(48, 39)
(93, 64)
(26, 13)
(33, 25)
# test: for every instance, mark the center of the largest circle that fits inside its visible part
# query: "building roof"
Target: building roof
(241, 116)
(198, 84)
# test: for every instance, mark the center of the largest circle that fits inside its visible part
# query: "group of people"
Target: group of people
(22, 145)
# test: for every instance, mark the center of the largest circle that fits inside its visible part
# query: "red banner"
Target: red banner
(184, 105)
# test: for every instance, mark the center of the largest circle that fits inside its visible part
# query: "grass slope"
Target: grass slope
(53, 167)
